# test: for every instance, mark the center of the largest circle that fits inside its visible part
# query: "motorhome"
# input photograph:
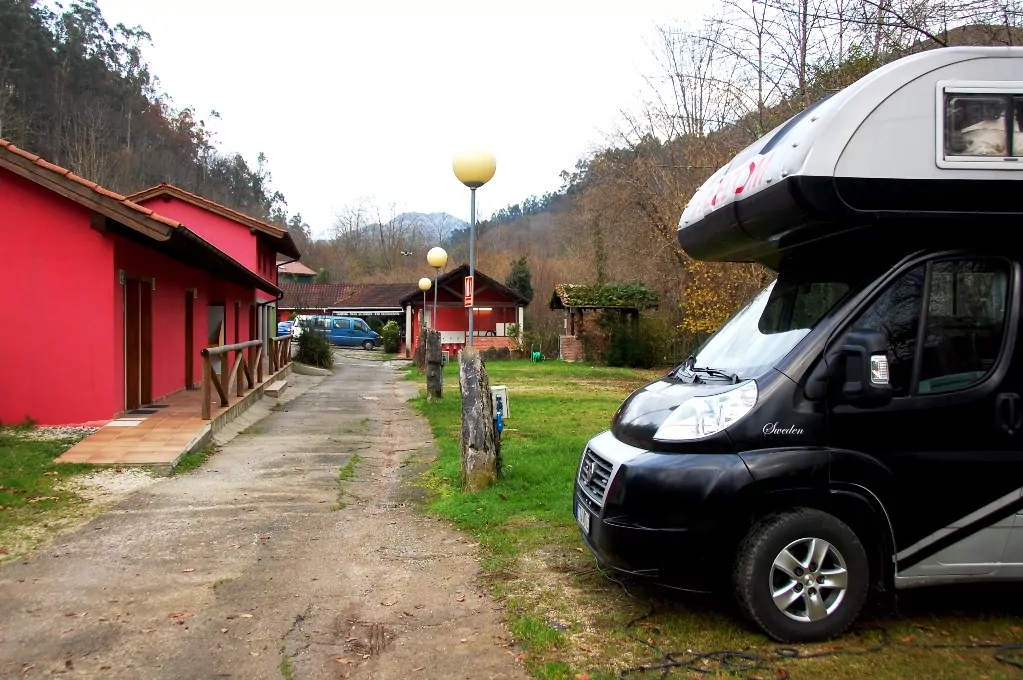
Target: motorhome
(856, 427)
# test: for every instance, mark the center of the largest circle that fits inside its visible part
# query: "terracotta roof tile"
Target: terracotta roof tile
(170, 189)
(21, 152)
(64, 172)
(54, 168)
(110, 194)
(296, 268)
(377, 295)
(315, 296)
(81, 180)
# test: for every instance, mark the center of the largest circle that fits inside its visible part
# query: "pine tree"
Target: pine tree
(520, 280)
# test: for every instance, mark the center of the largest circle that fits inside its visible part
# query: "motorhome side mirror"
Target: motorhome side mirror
(865, 355)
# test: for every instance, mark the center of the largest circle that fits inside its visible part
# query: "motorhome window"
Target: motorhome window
(764, 331)
(983, 126)
(343, 324)
(896, 314)
(361, 325)
(966, 314)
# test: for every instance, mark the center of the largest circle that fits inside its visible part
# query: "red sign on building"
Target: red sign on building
(468, 291)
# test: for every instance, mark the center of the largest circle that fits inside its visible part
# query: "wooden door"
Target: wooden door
(146, 342)
(189, 337)
(132, 344)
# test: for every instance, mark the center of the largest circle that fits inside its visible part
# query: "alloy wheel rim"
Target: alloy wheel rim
(808, 580)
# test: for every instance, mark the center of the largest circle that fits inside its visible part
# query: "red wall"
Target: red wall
(58, 280)
(229, 236)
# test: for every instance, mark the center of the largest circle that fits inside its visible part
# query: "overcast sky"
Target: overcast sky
(350, 103)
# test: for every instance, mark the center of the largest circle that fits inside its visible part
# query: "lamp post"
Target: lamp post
(436, 258)
(424, 285)
(473, 169)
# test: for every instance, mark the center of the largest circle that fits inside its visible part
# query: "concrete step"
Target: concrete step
(276, 388)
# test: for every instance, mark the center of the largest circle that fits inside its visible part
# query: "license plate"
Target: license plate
(583, 517)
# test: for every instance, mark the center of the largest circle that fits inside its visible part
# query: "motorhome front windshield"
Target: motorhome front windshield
(779, 316)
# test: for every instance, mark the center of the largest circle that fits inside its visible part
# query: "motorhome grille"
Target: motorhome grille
(594, 475)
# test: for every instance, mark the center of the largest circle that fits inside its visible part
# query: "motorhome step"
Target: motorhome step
(276, 388)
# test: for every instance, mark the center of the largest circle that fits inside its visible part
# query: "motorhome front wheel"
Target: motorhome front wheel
(801, 575)
(368, 345)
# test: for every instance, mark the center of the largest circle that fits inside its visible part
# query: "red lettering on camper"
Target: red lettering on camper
(739, 186)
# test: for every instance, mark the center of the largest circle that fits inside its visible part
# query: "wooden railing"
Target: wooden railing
(280, 352)
(244, 373)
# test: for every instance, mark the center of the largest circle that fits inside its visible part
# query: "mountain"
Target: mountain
(438, 227)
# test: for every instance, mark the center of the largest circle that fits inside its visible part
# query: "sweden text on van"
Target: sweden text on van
(859, 423)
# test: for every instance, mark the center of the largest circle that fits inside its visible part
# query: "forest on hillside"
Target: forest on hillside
(79, 93)
(720, 85)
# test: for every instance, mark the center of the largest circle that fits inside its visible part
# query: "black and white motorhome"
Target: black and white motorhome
(859, 423)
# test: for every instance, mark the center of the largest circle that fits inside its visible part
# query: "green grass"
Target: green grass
(344, 474)
(191, 461)
(571, 620)
(33, 489)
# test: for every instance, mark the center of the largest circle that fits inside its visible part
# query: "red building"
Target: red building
(114, 301)
(496, 307)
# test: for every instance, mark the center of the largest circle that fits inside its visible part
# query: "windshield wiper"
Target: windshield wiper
(717, 373)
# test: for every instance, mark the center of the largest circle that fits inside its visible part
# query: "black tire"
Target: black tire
(755, 576)
(368, 345)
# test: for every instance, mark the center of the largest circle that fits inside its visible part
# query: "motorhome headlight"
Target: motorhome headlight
(703, 416)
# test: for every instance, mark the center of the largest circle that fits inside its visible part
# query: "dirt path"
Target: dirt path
(244, 569)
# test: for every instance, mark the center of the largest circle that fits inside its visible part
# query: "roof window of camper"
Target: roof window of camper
(982, 123)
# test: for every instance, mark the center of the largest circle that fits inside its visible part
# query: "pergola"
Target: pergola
(629, 299)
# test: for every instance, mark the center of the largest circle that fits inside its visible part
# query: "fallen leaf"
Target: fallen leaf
(460, 598)
(582, 676)
(3, 551)
(341, 659)
(1016, 630)
(945, 632)
(265, 537)
(148, 630)
(27, 667)
(387, 604)
(417, 669)
(223, 630)
(908, 639)
(179, 615)
(253, 653)
(187, 571)
(69, 664)
(245, 616)
(465, 640)
(420, 606)
(365, 656)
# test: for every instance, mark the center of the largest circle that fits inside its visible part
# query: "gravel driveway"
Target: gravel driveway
(246, 569)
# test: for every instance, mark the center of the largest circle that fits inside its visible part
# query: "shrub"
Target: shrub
(314, 350)
(389, 332)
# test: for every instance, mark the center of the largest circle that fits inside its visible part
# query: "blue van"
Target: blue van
(347, 331)
(344, 331)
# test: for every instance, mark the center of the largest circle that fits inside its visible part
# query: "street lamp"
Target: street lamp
(473, 169)
(436, 258)
(424, 285)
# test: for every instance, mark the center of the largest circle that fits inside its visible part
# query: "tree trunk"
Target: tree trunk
(481, 462)
(434, 379)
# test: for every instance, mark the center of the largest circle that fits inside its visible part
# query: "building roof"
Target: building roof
(315, 295)
(296, 268)
(120, 215)
(481, 280)
(603, 296)
(279, 234)
(377, 296)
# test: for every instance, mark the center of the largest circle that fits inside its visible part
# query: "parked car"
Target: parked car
(284, 327)
(346, 331)
(343, 331)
